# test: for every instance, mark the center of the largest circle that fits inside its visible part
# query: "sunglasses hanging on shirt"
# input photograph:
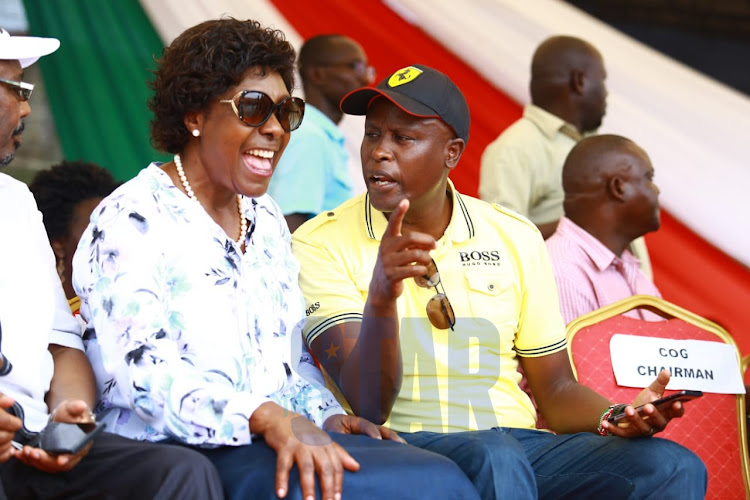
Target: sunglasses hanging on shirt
(439, 309)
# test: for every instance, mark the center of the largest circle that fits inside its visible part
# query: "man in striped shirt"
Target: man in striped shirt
(610, 200)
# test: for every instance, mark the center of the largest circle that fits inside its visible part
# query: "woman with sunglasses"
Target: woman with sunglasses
(187, 278)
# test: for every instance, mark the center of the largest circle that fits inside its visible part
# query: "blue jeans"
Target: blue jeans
(525, 463)
(388, 470)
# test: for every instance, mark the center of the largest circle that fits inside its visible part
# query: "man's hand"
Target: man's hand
(72, 412)
(297, 440)
(652, 421)
(69, 411)
(349, 424)
(8, 427)
(399, 257)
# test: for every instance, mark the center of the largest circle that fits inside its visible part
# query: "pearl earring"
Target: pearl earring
(196, 132)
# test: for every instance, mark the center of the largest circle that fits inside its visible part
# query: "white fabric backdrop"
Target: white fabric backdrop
(695, 129)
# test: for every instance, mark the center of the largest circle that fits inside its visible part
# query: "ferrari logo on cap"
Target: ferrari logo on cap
(404, 75)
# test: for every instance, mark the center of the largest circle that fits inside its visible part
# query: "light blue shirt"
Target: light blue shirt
(312, 174)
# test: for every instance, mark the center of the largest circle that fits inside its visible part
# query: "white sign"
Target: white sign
(698, 365)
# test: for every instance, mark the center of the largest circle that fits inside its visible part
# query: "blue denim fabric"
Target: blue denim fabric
(525, 463)
(388, 471)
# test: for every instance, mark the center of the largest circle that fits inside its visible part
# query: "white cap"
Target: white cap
(25, 49)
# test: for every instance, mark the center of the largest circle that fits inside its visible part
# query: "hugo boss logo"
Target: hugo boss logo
(314, 307)
(480, 258)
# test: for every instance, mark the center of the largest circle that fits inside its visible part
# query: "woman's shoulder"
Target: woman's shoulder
(148, 176)
(138, 198)
(267, 215)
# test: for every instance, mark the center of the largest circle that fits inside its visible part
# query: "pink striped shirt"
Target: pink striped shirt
(589, 275)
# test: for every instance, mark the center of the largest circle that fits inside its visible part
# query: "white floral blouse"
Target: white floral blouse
(187, 335)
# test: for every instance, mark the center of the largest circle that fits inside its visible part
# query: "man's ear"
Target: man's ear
(453, 151)
(617, 187)
(577, 81)
(315, 75)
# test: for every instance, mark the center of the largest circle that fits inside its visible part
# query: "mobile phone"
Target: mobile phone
(60, 437)
(662, 403)
(56, 437)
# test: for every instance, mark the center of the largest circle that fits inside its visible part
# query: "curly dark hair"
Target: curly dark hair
(202, 63)
(59, 189)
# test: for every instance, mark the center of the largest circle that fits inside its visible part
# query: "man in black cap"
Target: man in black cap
(421, 302)
(46, 381)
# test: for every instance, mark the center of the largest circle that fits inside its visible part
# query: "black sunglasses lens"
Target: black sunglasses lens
(254, 108)
(290, 113)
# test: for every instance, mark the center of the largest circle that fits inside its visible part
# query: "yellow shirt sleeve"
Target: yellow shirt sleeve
(332, 294)
(541, 329)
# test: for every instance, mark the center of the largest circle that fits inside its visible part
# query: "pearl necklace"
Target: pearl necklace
(191, 195)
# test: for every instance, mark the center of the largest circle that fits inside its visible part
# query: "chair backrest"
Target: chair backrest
(713, 427)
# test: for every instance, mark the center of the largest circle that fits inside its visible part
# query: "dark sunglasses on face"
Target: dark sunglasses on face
(363, 70)
(439, 309)
(255, 108)
(23, 89)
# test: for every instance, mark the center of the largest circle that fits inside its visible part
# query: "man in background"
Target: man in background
(521, 168)
(610, 200)
(66, 194)
(313, 174)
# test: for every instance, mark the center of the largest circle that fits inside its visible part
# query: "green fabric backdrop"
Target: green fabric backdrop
(97, 79)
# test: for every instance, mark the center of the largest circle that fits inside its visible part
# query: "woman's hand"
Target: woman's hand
(349, 424)
(295, 439)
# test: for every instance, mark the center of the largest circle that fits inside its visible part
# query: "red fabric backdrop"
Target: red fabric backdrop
(689, 271)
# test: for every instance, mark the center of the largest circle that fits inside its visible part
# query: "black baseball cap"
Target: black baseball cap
(420, 91)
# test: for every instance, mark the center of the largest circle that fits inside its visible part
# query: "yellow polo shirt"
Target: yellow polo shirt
(497, 275)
